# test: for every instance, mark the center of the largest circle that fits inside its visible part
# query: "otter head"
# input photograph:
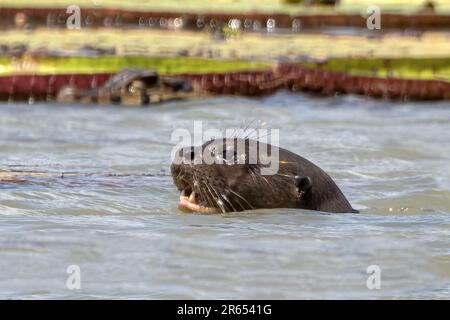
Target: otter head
(226, 175)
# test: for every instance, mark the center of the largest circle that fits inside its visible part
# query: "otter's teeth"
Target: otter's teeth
(183, 194)
(192, 197)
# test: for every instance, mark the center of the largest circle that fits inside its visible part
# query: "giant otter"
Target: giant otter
(234, 182)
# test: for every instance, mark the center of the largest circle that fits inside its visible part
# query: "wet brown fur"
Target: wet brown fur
(237, 187)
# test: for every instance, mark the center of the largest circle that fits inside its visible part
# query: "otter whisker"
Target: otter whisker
(228, 200)
(237, 194)
(285, 175)
(208, 197)
(197, 183)
(247, 126)
(179, 173)
(258, 137)
(243, 129)
(252, 174)
(234, 133)
(263, 136)
(219, 202)
(269, 186)
(255, 177)
(237, 201)
(220, 197)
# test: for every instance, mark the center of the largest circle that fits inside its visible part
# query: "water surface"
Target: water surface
(392, 160)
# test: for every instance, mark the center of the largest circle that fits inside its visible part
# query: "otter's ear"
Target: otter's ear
(303, 184)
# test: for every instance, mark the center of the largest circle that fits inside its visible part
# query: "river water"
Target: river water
(129, 240)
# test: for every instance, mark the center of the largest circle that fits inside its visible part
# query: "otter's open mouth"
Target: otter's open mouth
(192, 201)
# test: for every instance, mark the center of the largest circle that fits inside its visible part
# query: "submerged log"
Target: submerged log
(131, 87)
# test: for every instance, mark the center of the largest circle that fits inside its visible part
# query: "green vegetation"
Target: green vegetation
(164, 65)
(428, 56)
(6, 65)
(406, 68)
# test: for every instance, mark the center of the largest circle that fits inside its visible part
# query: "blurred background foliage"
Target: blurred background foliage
(273, 6)
(410, 54)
